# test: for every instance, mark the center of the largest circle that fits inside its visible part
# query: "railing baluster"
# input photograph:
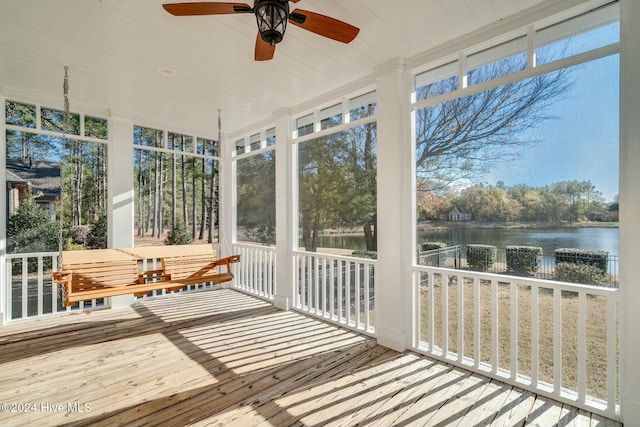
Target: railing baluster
(40, 291)
(557, 341)
(460, 287)
(432, 315)
(514, 331)
(367, 296)
(341, 266)
(534, 336)
(333, 270)
(322, 287)
(612, 319)
(357, 309)
(477, 323)
(54, 287)
(445, 315)
(348, 292)
(582, 346)
(25, 286)
(494, 326)
(9, 294)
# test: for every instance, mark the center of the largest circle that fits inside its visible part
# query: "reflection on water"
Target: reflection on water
(549, 239)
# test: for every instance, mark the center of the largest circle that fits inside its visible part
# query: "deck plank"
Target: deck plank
(220, 357)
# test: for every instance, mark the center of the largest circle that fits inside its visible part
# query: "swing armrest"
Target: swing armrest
(63, 276)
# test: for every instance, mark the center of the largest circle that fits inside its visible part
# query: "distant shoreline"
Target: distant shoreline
(449, 225)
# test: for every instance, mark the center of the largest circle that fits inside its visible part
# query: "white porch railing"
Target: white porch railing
(256, 272)
(30, 292)
(339, 289)
(552, 338)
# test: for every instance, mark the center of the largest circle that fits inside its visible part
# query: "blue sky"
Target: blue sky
(581, 142)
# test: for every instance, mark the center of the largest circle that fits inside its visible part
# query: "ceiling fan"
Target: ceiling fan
(272, 17)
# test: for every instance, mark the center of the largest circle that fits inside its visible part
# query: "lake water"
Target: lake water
(549, 239)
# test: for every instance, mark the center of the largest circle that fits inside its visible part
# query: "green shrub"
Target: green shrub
(439, 258)
(580, 273)
(598, 259)
(31, 229)
(179, 235)
(481, 257)
(264, 233)
(523, 259)
(78, 234)
(97, 236)
(365, 254)
(429, 246)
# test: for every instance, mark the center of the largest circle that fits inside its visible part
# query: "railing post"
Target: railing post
(629, 210)
(286, 219)
(396, 184)
(120, 201)
(4, 279)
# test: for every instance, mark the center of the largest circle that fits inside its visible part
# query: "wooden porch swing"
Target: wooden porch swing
(101, 273)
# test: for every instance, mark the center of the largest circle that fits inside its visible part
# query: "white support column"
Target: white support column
(3, 213)
(629, 211)
(227, 198)
(286, 218)
(395, 208)
(120, 201)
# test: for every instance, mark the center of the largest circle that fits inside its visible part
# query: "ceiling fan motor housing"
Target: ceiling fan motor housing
(271, 16)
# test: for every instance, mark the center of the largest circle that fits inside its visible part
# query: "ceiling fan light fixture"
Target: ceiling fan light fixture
(272, 16)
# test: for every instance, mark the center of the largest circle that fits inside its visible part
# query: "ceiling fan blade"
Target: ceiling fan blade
(264, 51)
(324, 25)
(206, 8)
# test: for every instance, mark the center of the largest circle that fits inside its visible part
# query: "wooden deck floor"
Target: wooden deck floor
(226, 359)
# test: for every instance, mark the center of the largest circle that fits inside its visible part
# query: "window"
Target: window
(45, 169)
(580, 34)
(175, 191)
(304, 125)
(95, 127)
(337, 191)
(498, 61)
(542, 150)
(363, 106)
(53, 120)
(331, 116)
(240, 149)
(152, 138)
(208, 147)
(56, 197)
(437, 81)
(256, 198)
(254, 142)
(271, 137)
(23, 115)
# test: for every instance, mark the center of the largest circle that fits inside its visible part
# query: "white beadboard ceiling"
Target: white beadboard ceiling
(114, 49)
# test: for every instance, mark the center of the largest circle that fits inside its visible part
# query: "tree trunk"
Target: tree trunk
(174, 189)
(212, 203)
(194, 190)
(185, 213)
(370, 233)
(203, 200)
(140, 193)
(156, 203)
